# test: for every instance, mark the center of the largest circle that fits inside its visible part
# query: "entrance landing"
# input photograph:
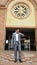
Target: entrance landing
(28, 58)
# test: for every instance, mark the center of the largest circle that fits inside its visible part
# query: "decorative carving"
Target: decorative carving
(20, 10)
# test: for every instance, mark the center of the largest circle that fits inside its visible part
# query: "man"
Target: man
(17, 43)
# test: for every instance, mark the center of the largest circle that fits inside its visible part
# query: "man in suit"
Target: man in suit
(17, 43)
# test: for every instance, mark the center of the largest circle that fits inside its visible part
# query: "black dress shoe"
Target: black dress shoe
(20, 60)
(15, 61)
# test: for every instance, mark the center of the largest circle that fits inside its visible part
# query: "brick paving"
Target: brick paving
(28, 58)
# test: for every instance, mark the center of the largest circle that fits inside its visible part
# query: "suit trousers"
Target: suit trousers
(17, 44)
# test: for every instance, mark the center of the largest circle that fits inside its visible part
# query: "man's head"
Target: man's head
(17, 30)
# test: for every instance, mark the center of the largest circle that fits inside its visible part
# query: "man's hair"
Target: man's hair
(17, 28)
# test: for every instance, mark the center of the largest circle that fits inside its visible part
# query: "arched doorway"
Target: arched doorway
(25, 21)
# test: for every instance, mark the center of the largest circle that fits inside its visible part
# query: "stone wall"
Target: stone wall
(36, 28)
(2, 27)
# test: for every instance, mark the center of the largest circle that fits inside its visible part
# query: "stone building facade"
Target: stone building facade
(3, 19)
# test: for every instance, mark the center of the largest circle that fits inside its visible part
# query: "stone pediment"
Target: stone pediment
(34, 3)
(3, 3)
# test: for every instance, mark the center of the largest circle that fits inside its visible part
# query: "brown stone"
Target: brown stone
(2, 27)
(3, 21)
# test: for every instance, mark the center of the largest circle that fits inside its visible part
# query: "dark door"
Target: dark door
(29, 34)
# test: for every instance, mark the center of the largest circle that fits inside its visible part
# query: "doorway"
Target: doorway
(27, 42)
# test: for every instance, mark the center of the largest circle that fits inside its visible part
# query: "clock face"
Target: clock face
(20, 10)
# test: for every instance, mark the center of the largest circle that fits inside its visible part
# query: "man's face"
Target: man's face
(17, 30)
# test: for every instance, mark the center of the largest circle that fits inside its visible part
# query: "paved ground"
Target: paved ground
(28, 58)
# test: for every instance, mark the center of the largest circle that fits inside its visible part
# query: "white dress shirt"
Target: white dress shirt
(17, 37)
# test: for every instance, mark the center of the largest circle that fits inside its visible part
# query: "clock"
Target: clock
(20, 10)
